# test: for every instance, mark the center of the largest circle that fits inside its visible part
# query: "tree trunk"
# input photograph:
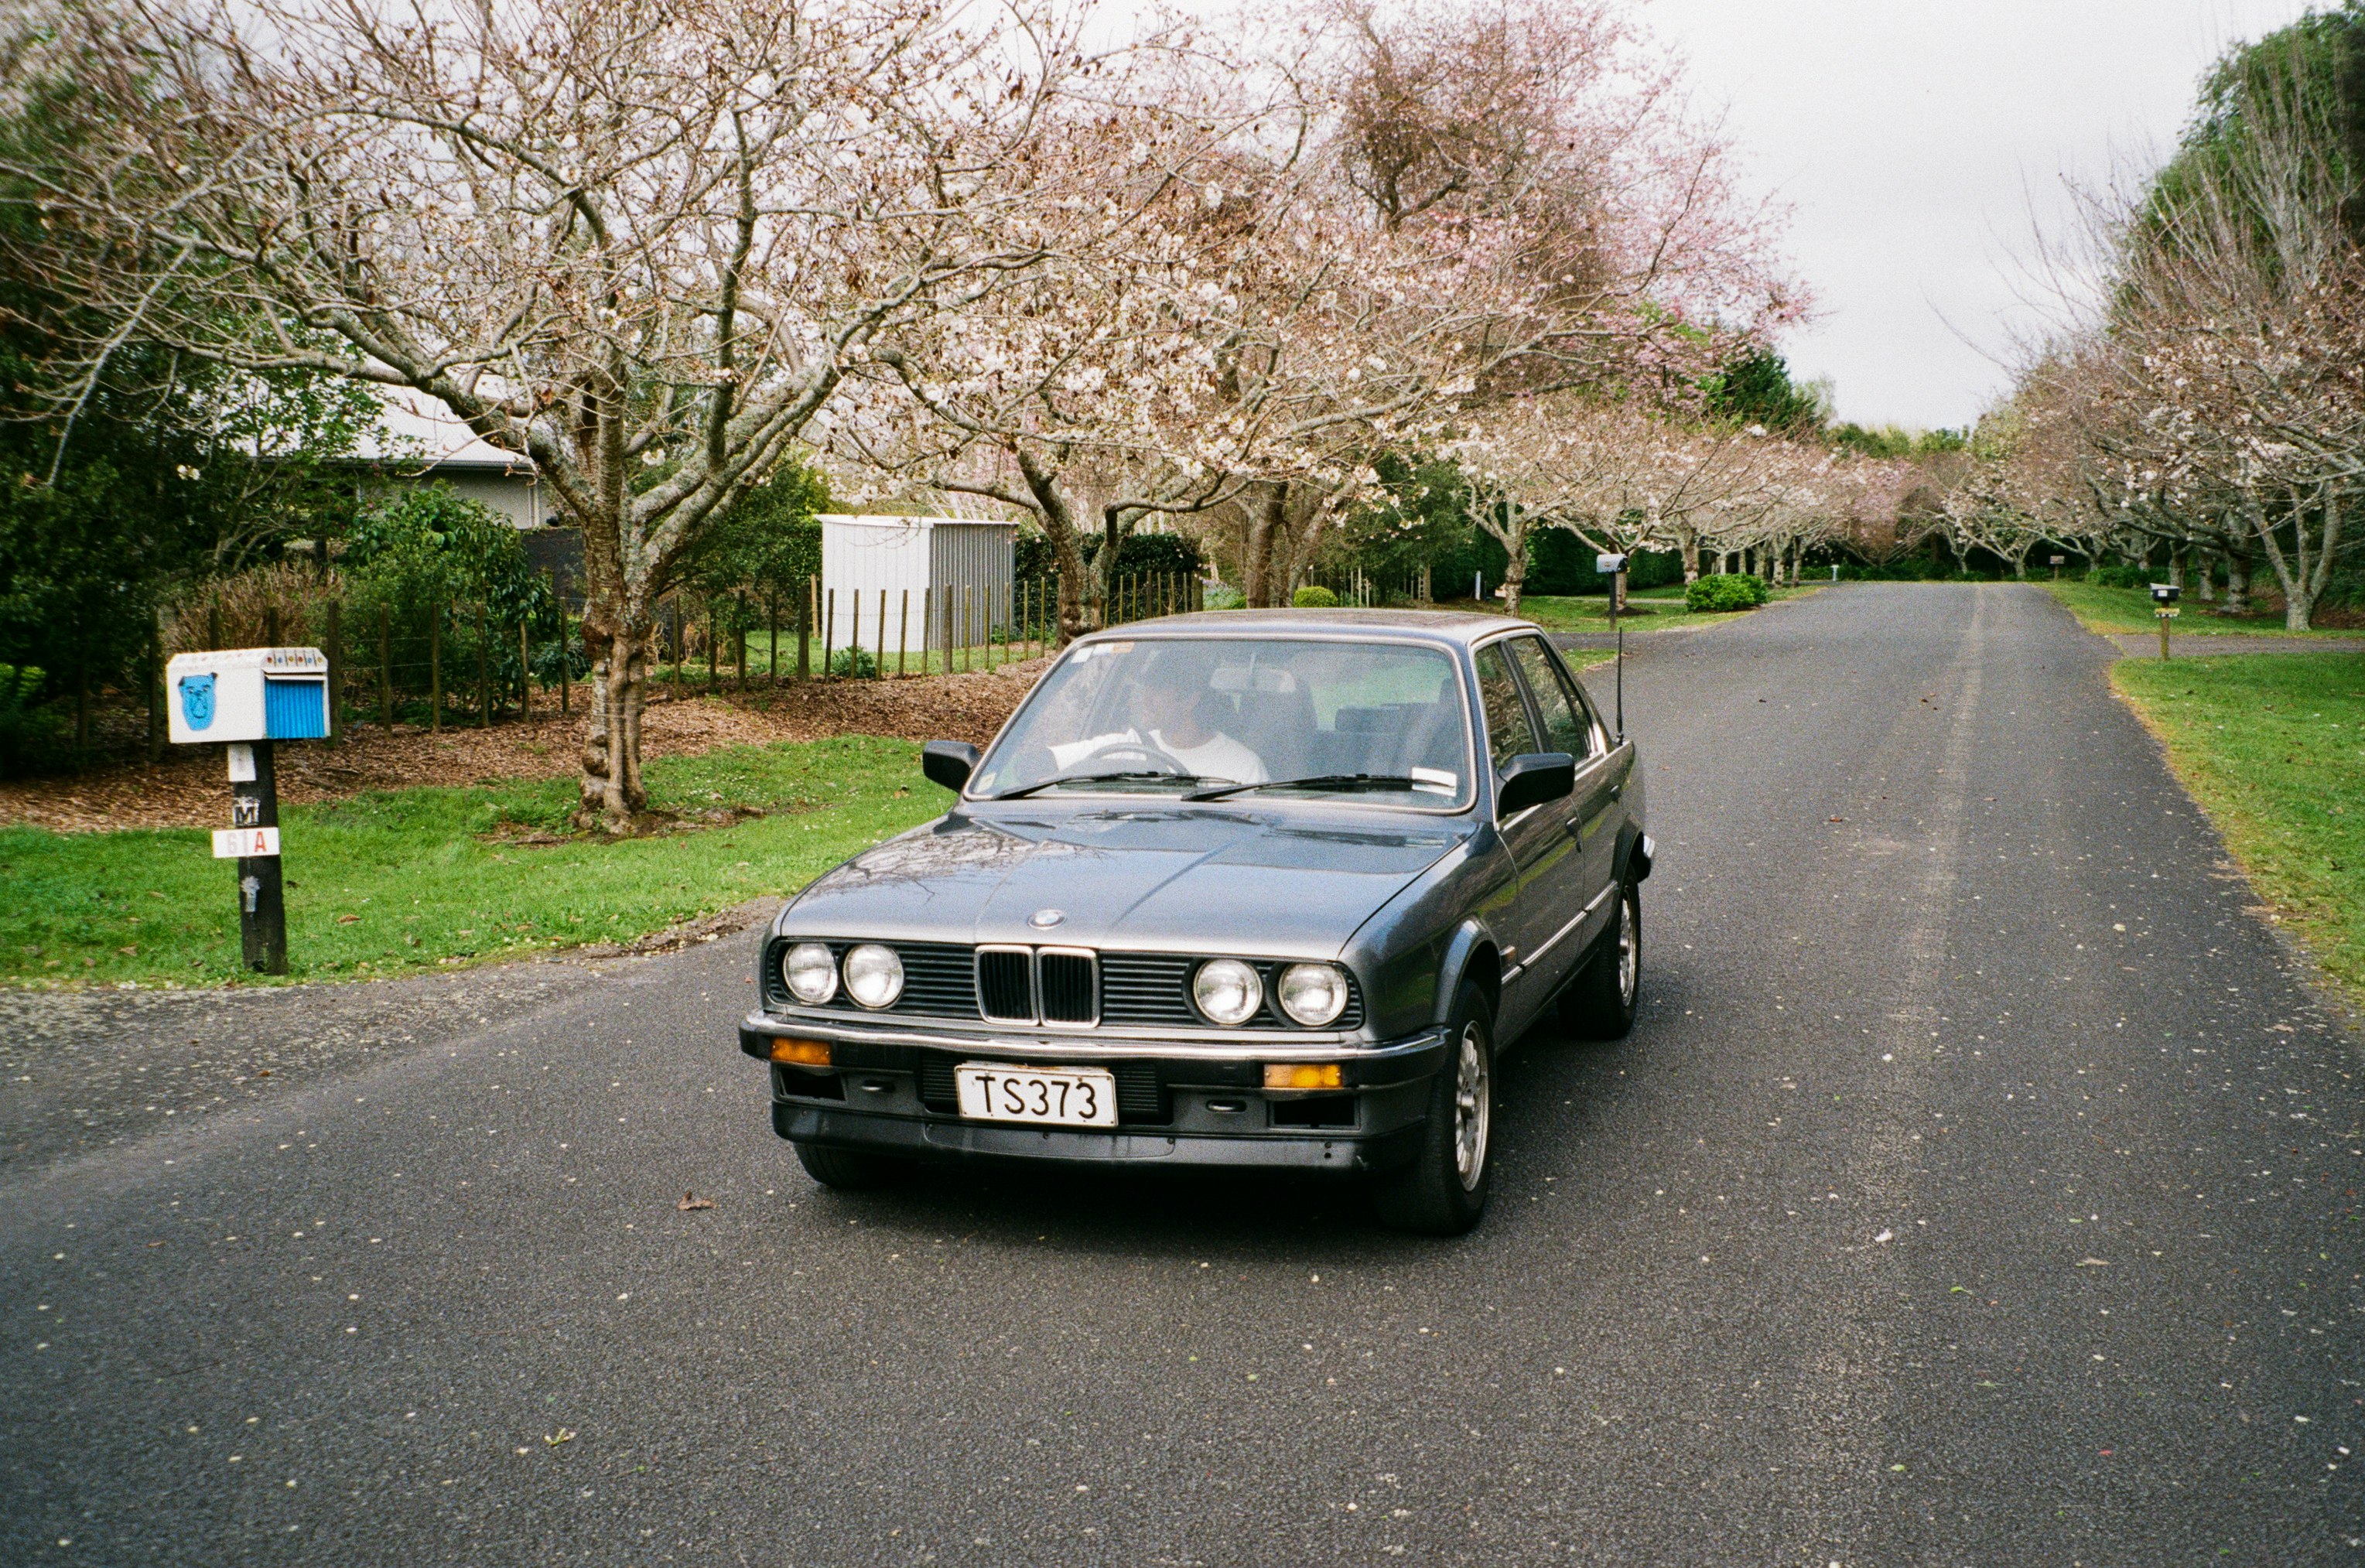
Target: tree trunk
(1058, 516)
(611, 796)
(1515, 574)
(1265, 520)
(2238, 582)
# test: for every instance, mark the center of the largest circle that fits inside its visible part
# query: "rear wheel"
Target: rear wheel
(1600, 1004)
(849, 1170)
(1443, 1191)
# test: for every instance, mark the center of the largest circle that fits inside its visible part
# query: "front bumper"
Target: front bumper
(889, 1090)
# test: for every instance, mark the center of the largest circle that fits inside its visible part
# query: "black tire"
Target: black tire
(849, 1170)
(1599, 1003)
(1443, 1191)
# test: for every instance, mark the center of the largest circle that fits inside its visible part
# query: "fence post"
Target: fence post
(565, 660)
(904, 636)
(335, 649)
(739, 635)
(484, 670)
(435, 670)
(804, 630)
(213, 624)
(772, 614)
(386, 667)
(879, 660)
(828, 627)
(155, 684)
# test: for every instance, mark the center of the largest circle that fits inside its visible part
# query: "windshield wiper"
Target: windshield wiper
(1131, 775)
(1316, 781)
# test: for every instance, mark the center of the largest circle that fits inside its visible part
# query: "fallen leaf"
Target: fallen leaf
(1886, 1235)
(692, 1201)
(564, 1435)
(2093, 1263)
(347, 919)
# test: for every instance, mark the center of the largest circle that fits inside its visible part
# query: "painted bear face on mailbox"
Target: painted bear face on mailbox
(198, 700)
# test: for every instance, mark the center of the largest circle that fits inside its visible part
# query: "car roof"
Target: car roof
(1448, 626)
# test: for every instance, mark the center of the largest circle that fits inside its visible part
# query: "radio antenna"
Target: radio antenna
(1614, 568)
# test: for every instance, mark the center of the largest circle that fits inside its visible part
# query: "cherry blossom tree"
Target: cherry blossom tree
(643, 248)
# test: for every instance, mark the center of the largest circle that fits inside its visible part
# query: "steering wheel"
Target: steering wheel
(1121, 751)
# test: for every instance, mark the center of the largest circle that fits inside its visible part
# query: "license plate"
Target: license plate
(1068, 1096)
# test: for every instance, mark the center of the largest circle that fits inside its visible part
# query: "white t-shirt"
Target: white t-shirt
(1218, 756)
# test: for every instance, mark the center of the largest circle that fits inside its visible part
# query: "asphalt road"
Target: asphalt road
(1979, 1187)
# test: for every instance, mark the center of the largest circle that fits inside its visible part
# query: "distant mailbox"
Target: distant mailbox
(248, 694)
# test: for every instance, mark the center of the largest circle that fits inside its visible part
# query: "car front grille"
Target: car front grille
(1005, 984)
(1071, 985)
(1066, 982)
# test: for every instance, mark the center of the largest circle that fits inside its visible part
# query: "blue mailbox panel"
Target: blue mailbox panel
(295, 709)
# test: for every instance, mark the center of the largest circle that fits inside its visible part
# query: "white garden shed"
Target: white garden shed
(910, 576)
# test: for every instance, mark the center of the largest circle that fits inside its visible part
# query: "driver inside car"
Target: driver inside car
(1185, 719)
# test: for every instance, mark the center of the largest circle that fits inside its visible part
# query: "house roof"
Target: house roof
(421, 435)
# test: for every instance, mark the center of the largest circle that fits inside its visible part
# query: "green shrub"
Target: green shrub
(856, 662)
(30, 737)
(1314, 595)
(1223, 596)
(1721, 591)
(2119, 576)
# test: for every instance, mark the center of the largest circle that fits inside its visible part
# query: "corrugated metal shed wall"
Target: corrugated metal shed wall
(974, 562)
(922, 564)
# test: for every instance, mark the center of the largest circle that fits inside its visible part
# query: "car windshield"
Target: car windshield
(1243, 718)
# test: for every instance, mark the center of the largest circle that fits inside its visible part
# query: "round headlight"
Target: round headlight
(810, 971)
(1227, 990)
(874, 975)
(1313, 993)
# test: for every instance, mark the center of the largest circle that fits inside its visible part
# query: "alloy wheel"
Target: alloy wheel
(1472, 1109)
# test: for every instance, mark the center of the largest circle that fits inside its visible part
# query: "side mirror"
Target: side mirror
(948, 763)
(1533, 779)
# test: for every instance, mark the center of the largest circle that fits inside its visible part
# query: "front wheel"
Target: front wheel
(1600, 1004)
(1443, 1191)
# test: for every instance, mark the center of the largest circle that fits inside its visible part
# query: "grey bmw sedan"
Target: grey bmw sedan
(1247, 888)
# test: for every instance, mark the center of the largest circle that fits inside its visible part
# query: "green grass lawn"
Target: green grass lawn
(2116, 611)
(2273, 747)
(421, 878)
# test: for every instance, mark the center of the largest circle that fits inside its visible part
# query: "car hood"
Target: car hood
(1161, 877)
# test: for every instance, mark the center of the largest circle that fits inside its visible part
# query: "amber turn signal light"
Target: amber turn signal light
(802, 1053)
(1302, 1075)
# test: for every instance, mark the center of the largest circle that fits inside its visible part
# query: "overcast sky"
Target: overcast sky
(1913, 137)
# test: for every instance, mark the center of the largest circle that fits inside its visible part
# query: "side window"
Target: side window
(1510, 732)
(1566, 727)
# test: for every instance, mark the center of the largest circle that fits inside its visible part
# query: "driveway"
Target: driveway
(1978, 1186)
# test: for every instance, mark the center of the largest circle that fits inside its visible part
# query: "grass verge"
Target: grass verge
(2273, 747)
(407, 880)
(2116, 611)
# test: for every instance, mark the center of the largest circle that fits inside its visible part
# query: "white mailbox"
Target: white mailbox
(248, 694)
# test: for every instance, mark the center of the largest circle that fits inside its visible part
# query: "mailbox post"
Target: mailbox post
(2163, 598)
(249, 698)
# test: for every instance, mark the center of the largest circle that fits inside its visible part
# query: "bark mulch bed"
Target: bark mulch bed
(187, 789)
